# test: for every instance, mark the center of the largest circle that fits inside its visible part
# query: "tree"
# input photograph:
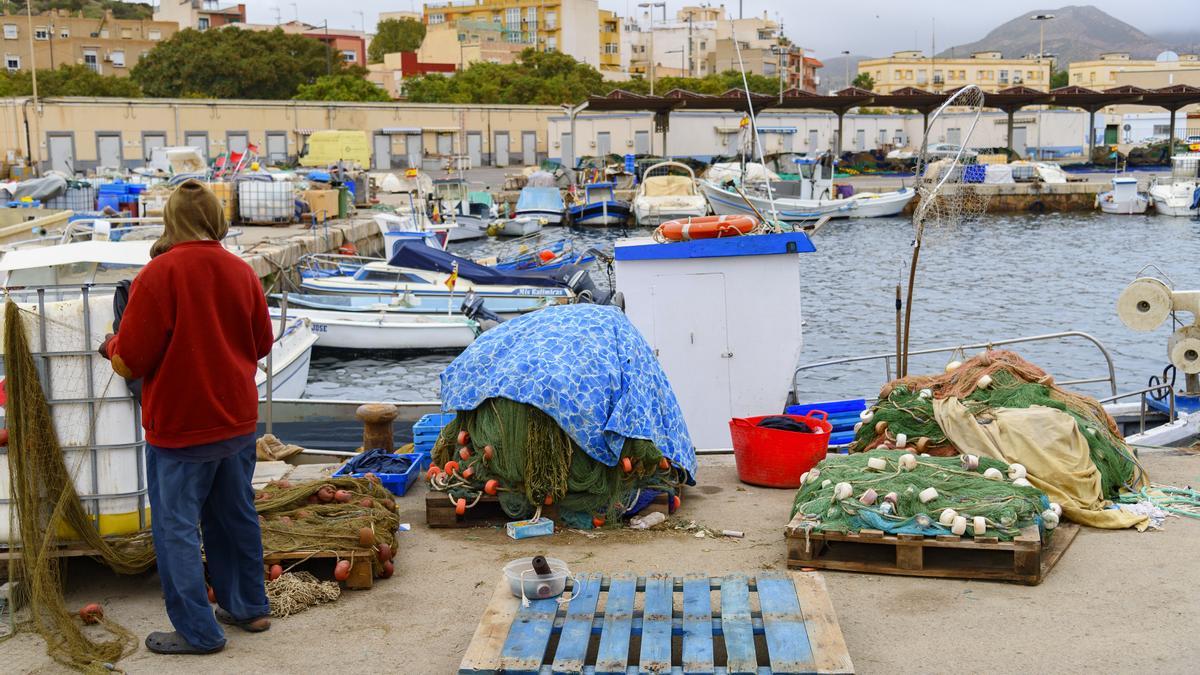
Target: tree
(70, 80)
(344, 86)
(864, 81)
(1059, 78)
(538, 78)
(233, 63)
(395, 35)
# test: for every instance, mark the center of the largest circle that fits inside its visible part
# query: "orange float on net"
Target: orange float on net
(626, 464)
(491, 487)
(664, 464)
(597, 522)
(549, 500)
(546, 255)
(464, 452)
(463, 437)
(460, 506)
(675, 502)
(707, 227)
(451, 467)
(468, 472)
(487, 451)
(433, 471)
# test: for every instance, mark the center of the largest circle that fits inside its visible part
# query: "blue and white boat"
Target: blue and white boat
(408, 304)
(600, 206)
(378, 278)
(540, 203)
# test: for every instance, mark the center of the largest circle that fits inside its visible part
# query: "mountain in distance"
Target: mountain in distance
(1077, 33)
(833, 73)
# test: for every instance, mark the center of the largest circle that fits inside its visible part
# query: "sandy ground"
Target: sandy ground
(1116, 602)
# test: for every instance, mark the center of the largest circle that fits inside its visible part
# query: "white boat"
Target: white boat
(541, 202)
(666, 196)
(62, 270)
(385, 330)
(808, 198)
(520, 226)
(465, 214)
(1180, 196)
(394, 227)
(1124, 198)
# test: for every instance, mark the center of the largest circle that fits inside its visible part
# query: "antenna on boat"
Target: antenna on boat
(944, 197)
(753, 125)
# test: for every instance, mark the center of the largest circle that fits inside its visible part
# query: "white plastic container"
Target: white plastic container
(99, 428)
(537, 586)
(262, 201)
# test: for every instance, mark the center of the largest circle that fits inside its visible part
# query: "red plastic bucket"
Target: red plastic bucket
(775, 458)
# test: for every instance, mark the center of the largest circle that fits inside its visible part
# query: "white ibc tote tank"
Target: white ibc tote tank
(97, 420)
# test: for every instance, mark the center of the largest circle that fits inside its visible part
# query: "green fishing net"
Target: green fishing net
(534, 463)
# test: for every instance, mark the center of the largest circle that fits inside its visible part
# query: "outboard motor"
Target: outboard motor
(472, 308)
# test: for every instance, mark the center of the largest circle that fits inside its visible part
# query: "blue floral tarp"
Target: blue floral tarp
(586, 367)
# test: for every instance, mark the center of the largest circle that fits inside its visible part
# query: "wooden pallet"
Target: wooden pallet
(439, 511)
(1024, 560)
(777, 622)
(362, 577)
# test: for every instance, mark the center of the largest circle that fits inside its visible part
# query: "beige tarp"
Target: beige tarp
(1050, 446)
(668, 186)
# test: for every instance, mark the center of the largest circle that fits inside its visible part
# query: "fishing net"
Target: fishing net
(46, 510)
(905, 406)
(533, 462)
(898, 509)
(354, 517)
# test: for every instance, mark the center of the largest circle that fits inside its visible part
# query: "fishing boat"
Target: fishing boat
(533, 254)
(384, 330)
(465, 213)
(665, 196)
(395, 226)
(600, 206)
(808, 198)
(518, 226)
(1124, 198)
(380, 278)
(540, 202)
(57, 273)
(403, 304)
(1181, 195)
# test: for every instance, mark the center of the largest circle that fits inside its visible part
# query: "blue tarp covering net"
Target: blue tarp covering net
(587, 368)
(540, 199)
(416, 255)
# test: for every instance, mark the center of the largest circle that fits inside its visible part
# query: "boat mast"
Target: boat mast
(757, 140)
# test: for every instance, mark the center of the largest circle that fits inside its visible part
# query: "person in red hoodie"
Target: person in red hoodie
(194, 328)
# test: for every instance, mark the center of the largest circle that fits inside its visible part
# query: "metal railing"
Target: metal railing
(1172, 413)
(887, 358)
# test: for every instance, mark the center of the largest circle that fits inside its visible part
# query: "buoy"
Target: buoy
(960, 525)
(857, 426)
(953, 366)
(464, 453)
(892, 498)
(842, 491)
(993, 473)
(979, 525)
(1016, 471)
(901, 440)
(877, 464)
(880, 427)
(491, 487)
(907, 462)
(460, 506)
(812, 475)
(1049, 519)
(826, 483)
(1021, 482)
(597, 521)
(626, 464)
(664, 464)
(433, 471)
(1056, 508)
(468, 472)
(947, 517)
(450, 467)
(923, 521)
(925, 393)
(983, 382)
(804, 478)
(463, 437)
(969, 462)
(921, 444)
(675, 502)
(546, 255)
(488, 451)
(866, 415)
(869, 497)
(927, 495)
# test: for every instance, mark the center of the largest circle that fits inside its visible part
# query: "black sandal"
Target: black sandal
(247, 625)
(161, 642)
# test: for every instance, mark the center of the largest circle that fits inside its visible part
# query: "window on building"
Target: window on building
(349, 56)
(552, 44)
(937, 77)
(551, 20)
(202, 23)
(1162, 129)
(704, 45)
(922, 76)
(117, 57)
(531, 19)
(612, 48)
(64, 33)
(512, 17)
(91, 60)
(10, 31)
(1112, 76)
(898, 75)
(41, 33)
(1003, 77)
(1017, 79)
(13, 63)
(154, 35)
(104, 33)
(126, 33)
(437, 18)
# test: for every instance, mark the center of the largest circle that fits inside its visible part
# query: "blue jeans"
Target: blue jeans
(213, 497)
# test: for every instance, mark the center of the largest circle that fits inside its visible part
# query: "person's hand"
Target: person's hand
(103, 349)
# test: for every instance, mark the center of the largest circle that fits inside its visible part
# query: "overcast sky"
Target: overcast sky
(870, 27)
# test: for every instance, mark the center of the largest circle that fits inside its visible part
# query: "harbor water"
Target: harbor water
(1002, 276)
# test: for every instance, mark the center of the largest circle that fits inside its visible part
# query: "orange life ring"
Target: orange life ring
(707, 227)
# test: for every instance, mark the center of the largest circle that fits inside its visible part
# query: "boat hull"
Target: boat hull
(1175, 200)
(521, 227)
(291, 357)
(868, 205)
(650, 217)
(1128, 207)
(386, 331)
(548, 217)
(601, 214)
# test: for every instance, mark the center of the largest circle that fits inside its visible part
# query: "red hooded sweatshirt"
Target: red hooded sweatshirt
(195, 327)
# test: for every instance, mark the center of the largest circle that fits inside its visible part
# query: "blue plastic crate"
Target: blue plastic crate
(427, 429)
(843, 415)
(396, 483)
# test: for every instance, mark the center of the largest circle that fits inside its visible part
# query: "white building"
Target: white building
(681, 46)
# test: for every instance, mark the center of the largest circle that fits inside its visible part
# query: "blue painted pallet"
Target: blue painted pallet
(773, 622)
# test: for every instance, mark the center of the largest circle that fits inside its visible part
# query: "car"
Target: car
(949, 151)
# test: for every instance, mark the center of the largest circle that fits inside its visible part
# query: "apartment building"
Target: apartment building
(567, 26)
(610, 42)
(350, 46)
(467, 41)
(107, 45)
(1104, 73)
(688, 45)
(990, 71)
(199, 14)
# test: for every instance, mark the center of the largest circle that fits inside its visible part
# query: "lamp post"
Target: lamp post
(363, 18)
(846, 66)
(682, 59)
(1042, 19)
(651, 6)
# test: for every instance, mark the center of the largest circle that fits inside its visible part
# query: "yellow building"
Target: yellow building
(567, 26)
(1104, 73)
(989, 70)
(106, 45)
(610, 41)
